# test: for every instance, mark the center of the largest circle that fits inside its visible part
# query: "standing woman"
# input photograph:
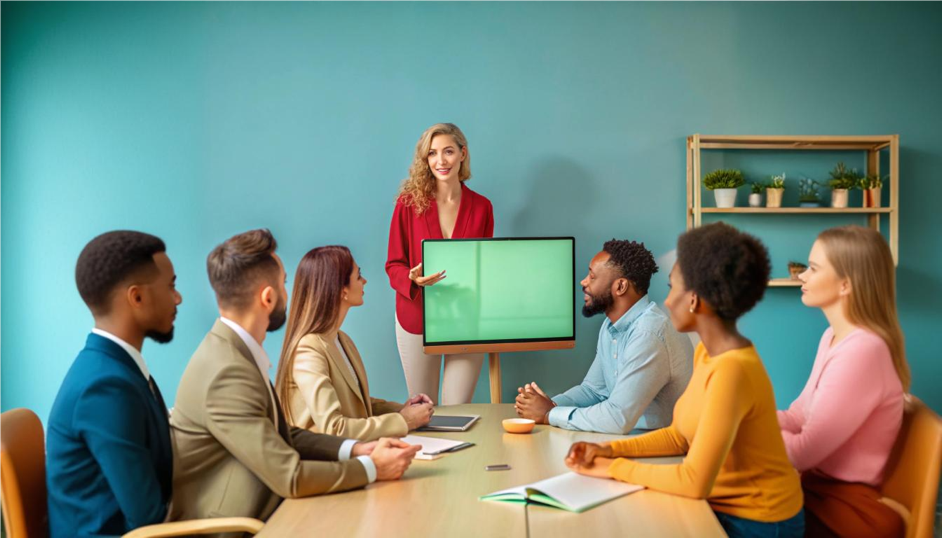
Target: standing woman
(433, 203)
(724, 423)
(841, 429)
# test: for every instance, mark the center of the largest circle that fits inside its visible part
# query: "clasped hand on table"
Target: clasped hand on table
(390, 456)
(590, 459)
(533, 403)
(417, 411)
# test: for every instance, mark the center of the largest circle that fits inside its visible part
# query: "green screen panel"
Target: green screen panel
(499, 290)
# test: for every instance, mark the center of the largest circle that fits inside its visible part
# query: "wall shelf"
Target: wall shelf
(871, 145)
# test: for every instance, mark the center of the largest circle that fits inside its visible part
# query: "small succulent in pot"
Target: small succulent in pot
(842, 180)
(774, 191)
(872, 187)
(808, 192)
(755, 194)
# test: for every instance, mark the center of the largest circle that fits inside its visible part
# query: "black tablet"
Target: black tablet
(446, 423)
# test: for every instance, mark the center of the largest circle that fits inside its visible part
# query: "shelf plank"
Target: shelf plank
(798, 142)
(797, 138)
(784, 283)
(790, 146)
(792, 210)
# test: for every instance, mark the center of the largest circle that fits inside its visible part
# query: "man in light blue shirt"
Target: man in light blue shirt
(642, 364)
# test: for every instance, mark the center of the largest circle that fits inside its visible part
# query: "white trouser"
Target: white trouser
(423, 370)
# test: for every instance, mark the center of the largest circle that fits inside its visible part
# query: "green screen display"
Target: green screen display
(499, 290)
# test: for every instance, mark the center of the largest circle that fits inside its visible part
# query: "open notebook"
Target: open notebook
(570, 491)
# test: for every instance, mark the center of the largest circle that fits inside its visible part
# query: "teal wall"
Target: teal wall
(198, 121)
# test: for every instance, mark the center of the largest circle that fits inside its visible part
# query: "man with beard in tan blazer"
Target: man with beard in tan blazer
(234, 454)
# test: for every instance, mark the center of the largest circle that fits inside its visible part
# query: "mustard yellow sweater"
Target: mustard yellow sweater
(725, 423)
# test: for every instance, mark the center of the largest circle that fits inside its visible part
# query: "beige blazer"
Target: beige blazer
(324, 397)
(234, 454)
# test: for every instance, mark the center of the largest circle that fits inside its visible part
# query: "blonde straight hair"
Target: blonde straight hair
(418, 189)
(862, 256)
(315, 307)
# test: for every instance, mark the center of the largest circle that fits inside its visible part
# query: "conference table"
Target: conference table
(439, 498)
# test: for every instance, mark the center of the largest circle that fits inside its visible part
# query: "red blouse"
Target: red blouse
(406, 232)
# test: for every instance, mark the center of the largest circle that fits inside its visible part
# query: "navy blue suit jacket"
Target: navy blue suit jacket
(109, 460)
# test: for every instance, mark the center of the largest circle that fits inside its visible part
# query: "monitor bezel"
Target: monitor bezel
(498, 345)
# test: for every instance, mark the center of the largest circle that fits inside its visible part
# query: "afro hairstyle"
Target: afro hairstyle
(727, 268)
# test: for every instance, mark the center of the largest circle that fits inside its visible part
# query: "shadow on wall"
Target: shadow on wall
(925, 298)
(918, 286)
(560, 199)
(559, 202)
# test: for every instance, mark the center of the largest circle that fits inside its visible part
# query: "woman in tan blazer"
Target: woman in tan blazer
(321, 381)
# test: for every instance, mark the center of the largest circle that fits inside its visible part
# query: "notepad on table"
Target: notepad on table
(432, 447)
(569, 491)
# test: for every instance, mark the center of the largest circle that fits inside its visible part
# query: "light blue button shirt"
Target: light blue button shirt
(642, 365)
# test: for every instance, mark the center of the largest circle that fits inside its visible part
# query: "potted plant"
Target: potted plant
(872, 186)
(842, 180)
(774, 191)
(808, 192)
(724, 183)
(795, 269)
(755, 197)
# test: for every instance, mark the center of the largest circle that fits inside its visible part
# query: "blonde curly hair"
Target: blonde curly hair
(417, 190)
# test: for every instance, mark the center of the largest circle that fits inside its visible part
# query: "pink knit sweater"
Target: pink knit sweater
(846, 420)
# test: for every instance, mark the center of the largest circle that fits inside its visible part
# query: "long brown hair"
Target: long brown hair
(419, 187)
(315, 306)
(862, 256)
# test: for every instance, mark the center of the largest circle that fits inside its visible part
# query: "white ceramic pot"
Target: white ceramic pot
(839, 198)
(725, 197)
(755, 200)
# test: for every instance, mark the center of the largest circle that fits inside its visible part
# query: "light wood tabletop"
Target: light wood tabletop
(440, 497)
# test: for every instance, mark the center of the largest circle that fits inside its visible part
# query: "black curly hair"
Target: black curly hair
(109, 260)
(633, 261)
(727, 268)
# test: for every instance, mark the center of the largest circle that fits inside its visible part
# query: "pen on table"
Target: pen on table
(452, 449)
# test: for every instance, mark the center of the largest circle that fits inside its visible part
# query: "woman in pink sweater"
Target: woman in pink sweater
(841, 429)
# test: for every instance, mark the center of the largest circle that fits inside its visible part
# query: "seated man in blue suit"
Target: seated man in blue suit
(109, 462)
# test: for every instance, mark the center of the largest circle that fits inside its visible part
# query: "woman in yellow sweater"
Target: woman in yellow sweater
(725, 422)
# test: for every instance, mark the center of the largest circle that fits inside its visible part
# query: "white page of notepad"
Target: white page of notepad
(578, 491)
(430, 444)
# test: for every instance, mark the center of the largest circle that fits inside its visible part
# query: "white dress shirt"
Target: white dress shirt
(264, 364)
(346, 359)
(132, 351)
